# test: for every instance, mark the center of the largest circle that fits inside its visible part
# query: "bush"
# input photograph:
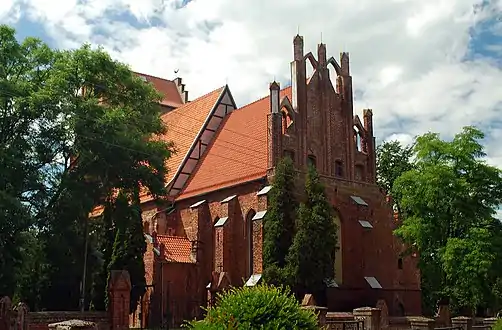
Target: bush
(497, 325)
(260, 307)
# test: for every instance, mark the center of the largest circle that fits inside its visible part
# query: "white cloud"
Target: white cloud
(9, 11)
(407, 56)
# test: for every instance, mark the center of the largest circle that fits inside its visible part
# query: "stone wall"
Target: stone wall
(370, 318)
(19, 317)
(41, 320)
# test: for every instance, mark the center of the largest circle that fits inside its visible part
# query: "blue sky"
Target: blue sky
(421, 65)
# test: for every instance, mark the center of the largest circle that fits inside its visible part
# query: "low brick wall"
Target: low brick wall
(41, 320)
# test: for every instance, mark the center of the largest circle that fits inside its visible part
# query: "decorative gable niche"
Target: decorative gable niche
(223, 106)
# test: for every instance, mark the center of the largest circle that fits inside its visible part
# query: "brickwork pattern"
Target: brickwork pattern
(314, 119)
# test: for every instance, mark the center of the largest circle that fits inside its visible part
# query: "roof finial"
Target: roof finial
(321, 37)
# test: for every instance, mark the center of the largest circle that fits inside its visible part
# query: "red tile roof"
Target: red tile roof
(176, 248)
(167, 88)
(238, 153)
(183, 125)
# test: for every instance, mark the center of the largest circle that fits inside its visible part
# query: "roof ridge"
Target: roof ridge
(172, 236)
(200, 98)
(152, 76)
(261, 99)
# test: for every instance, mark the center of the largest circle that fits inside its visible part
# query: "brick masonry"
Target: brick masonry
(18, 317)
(316, 124)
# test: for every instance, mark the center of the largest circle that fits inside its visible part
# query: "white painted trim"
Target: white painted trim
(373, 282)
(221, 222)
(253, 280)
(259, 215)
(365, 224)
(199, 203)
(228, 199)
(264, 190)
(359, 200)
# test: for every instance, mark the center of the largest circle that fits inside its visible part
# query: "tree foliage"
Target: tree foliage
(260, 307)
(279, 222)
(75, 128)
(448, 202)
(393, 159)
(311, 256)
(129, 246)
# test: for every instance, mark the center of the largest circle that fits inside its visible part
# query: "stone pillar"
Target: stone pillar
(462, 321)
(422, 323)
(73, 325)
(370, 316)
(320, 312)
(119, 298)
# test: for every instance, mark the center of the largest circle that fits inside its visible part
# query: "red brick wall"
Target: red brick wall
(232, 250)
(322, 126)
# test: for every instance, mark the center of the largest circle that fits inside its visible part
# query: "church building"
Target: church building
(219, 177)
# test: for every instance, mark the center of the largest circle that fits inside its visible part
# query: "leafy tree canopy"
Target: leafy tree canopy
(393, 159)
(448, 201)
(75, 128)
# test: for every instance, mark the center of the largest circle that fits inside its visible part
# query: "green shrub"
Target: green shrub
(497, 325)
(260, 307)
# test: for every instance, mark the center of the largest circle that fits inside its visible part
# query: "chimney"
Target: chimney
(274, 97)
(274, 122)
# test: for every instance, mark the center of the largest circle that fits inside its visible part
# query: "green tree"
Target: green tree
(260, 307)
(279, 222)
(104, 236)
(129, 246)
(75, 127)
(449, 199)
(311, 256)
(393, 159)
(472, 266)
(23, 68)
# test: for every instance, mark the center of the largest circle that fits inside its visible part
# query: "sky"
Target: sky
(421, 65)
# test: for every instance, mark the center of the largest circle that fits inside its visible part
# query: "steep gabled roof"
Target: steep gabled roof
(238, 153)
(168, 89)
(183, 127)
